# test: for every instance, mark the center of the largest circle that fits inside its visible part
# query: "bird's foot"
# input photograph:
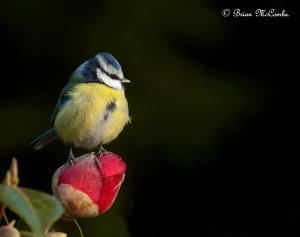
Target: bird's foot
(71, 157)
(101, 151)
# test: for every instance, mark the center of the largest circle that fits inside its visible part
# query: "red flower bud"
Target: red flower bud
(89, 186)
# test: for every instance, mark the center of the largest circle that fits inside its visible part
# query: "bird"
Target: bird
(92, 109)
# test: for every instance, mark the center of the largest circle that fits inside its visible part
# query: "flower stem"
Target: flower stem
(5, 218)
(2, 214)
(78, 226)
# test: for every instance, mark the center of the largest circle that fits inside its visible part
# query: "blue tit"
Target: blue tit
(92, 108)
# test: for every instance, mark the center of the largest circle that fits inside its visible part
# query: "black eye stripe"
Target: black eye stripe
(113, 76)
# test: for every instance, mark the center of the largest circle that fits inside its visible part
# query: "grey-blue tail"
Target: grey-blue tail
(44, 139)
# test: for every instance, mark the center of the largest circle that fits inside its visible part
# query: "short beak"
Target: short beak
(124, 80)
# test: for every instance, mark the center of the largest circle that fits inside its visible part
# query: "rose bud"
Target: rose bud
(89, 186)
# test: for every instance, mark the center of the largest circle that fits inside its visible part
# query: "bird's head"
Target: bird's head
(103, 68)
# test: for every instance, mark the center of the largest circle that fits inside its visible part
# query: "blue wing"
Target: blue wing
(63, 99)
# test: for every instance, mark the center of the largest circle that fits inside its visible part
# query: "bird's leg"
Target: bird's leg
(100, 151)
(70, 157)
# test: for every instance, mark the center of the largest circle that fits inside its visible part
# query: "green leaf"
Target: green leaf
(48, 208)
(39, 210)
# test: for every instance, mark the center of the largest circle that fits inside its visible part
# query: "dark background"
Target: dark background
(211, 148)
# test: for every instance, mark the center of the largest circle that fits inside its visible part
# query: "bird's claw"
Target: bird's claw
(71, 157)
(101, 151)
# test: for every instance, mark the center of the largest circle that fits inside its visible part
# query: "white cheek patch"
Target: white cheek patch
(116, 84)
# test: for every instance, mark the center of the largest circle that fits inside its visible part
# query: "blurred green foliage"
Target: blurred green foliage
(38, 210)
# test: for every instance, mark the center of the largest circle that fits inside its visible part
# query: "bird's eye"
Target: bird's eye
(114, 76)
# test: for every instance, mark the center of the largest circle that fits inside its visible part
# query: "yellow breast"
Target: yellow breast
(88, 119)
